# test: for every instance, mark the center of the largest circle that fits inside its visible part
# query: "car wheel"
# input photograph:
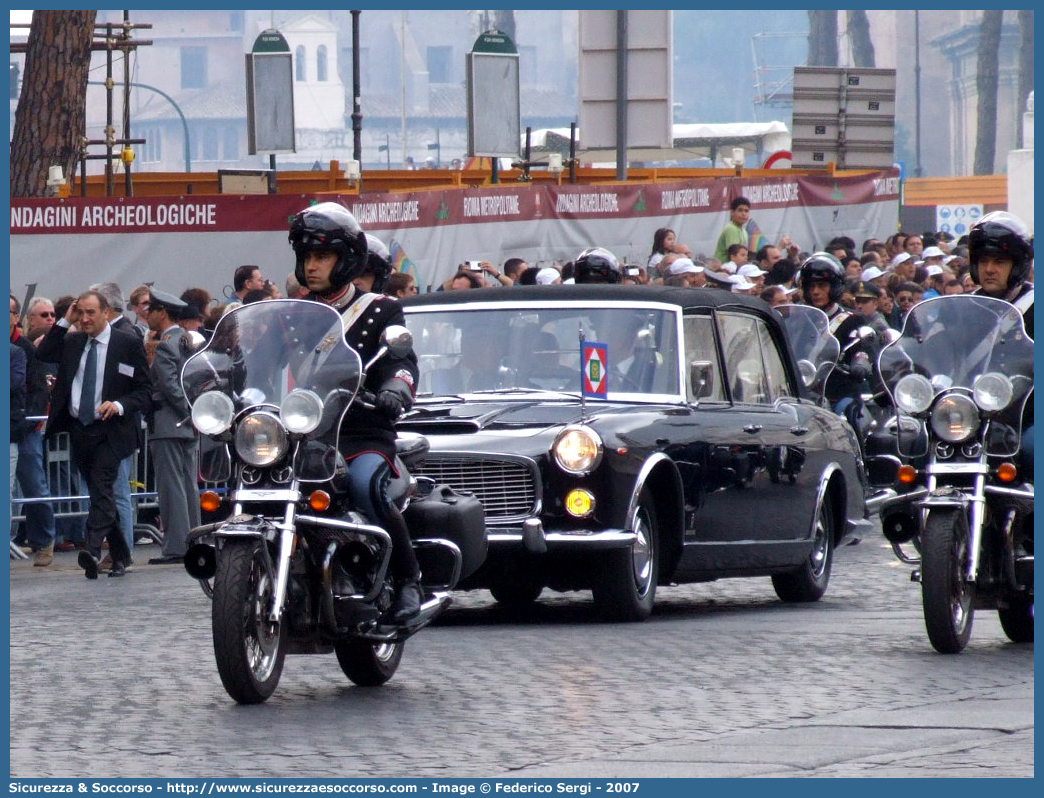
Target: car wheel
(809, 581)
(516, 594)
(624, 582)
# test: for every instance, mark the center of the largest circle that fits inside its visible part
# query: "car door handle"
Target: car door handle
(750, 429)
(799, 430)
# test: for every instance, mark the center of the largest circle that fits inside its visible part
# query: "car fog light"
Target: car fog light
(579, 503)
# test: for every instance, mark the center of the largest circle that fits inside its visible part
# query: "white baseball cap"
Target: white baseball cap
(934, 269)
(871, 273)
(902, 257)
(948, 258)
(684, 266)
(548, 275)
(751, 270)
(728, 266)
(741, 283)
(933, 252)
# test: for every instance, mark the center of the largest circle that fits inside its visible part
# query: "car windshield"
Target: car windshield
(513, 348)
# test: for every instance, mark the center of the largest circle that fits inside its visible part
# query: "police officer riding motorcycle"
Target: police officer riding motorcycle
(961, 379)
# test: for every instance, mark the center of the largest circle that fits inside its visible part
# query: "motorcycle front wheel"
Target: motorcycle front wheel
(249, 648)
(368, 664)
(948, 598)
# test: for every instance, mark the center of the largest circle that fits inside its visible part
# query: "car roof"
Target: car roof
(682, 297)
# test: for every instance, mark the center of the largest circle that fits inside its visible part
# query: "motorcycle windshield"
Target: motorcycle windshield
(811, 341)
(953, 340)
(261, 352)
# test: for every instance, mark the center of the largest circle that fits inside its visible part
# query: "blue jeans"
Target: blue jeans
(368, 476)
(65, 480)
(32, 479)
(122, 493)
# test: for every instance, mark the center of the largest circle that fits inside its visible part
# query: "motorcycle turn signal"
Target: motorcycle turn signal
(319, 500)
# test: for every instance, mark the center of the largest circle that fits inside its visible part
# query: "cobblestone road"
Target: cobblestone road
(116, 678)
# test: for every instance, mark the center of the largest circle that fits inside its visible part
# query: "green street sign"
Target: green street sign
(270, 41)
(493, 41)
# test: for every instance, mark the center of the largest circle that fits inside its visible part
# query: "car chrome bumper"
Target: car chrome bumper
(535, 539)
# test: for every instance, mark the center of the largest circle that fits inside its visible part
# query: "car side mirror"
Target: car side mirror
(701, 378)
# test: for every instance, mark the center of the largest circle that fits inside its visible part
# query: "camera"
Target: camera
(473, 265)
(633, 271)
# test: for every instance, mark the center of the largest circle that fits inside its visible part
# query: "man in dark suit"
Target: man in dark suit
(102, 386)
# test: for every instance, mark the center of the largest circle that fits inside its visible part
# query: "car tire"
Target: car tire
(624, 580)
(809, 581)
(516, 594)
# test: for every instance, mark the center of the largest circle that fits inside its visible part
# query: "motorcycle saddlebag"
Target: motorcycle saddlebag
(458, 517)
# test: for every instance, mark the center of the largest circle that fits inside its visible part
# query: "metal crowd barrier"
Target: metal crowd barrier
(67, 502)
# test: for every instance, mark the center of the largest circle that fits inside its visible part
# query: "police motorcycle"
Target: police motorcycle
(818, 354)
(960, 376)
(294, 569)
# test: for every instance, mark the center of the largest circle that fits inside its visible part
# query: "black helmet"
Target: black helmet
(1001, 234)
(378, 262)
(329, 226)
(597, 265)
(822, 267)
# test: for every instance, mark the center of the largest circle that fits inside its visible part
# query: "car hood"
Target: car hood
(523, 417)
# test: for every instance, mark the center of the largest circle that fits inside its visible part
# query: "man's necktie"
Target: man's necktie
(90, 377)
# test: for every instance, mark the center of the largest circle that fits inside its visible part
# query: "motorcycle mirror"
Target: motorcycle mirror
(251, 397)
(890, 336)
(807, 370)
(398, 339)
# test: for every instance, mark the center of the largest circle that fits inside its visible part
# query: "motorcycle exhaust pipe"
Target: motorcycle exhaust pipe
(899, 527)
(201, 561)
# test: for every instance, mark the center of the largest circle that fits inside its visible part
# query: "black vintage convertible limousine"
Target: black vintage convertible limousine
(695, 458)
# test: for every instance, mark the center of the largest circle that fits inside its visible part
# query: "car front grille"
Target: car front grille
(506, 487)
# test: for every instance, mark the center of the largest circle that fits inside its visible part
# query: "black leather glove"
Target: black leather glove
(393, 398)
(860, 367)
(390, 403)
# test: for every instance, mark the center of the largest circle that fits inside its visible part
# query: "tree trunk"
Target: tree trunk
(1025, 70)
(822, 38)
(986, 82)
(51, 118)
(859, 36)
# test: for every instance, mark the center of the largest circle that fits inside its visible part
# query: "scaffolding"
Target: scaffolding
(773, 81)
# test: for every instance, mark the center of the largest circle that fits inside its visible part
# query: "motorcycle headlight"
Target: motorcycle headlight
(261, 440)
(212, 413)
(913, 394)
(992, 391)
(301, 411)
(577, 450)
(955, 418)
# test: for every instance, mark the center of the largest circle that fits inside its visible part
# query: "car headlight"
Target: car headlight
(301, 411)
(913, 394)
(992, 391)
(577, 450)
(212, 413)
(955, 417)
(261, 440)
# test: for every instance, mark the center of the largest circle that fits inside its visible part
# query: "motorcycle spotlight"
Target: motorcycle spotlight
(201, 561)
(899, 527)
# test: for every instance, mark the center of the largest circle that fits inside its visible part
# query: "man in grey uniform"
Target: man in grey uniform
(172, 438)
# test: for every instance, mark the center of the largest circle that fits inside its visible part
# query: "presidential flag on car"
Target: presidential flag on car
(594, 380)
